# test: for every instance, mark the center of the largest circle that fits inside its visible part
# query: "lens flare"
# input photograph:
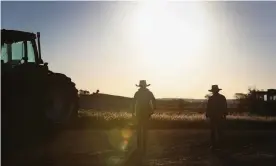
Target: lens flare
(124, 145)
(126, 133)
(114, 138)
(113, 161)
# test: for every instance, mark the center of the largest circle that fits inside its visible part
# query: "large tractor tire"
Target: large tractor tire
(36, 104)
(62, 107)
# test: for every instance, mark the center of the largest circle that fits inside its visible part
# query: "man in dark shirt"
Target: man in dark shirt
(216, 111)
(144, 104)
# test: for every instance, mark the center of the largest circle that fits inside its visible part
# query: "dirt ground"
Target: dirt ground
(166, 147)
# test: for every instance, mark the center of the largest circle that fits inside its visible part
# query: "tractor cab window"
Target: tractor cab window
(4, 53)
(17, 52)
(31, 54)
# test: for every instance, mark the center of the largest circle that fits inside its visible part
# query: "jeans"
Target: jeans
(142, 134)
(216, 126)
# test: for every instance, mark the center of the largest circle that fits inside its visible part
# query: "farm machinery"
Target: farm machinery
(34, 100)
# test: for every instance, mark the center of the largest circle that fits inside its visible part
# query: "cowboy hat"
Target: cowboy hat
(215, 88)
(142, 83)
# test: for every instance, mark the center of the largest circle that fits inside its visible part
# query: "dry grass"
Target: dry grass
(163, 119)
(170, 116)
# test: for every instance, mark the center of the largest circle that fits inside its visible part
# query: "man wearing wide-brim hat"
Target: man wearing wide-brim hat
(216, 111)
(144, 104)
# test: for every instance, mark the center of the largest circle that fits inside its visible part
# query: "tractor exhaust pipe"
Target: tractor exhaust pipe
(38, 43)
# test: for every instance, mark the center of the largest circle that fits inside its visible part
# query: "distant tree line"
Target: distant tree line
(244, 102)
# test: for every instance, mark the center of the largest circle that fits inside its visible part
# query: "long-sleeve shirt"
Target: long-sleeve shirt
(144, 102)
(216, 106)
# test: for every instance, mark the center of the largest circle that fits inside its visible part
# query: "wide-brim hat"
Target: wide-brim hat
(215, 88)
(143, 83)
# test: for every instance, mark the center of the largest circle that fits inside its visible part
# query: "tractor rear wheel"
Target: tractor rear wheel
(62, 107)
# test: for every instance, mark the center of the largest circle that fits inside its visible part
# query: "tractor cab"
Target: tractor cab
(18, 47)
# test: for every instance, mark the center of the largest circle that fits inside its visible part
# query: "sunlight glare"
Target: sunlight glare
(168, 37)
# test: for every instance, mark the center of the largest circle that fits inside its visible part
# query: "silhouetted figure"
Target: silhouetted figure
(97, 92)
(216, 111)
(144, 104)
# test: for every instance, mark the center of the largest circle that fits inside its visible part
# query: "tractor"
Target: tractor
(35, 101)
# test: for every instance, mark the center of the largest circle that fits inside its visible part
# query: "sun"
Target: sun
(169, 35)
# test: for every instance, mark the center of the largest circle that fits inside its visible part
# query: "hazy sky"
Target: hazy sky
(180, 48)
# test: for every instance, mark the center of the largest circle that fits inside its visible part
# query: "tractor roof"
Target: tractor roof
(12, 36)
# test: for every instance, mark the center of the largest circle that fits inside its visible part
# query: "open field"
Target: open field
(172, 120)
(176, 138)
(166, 147)
(114, 103)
